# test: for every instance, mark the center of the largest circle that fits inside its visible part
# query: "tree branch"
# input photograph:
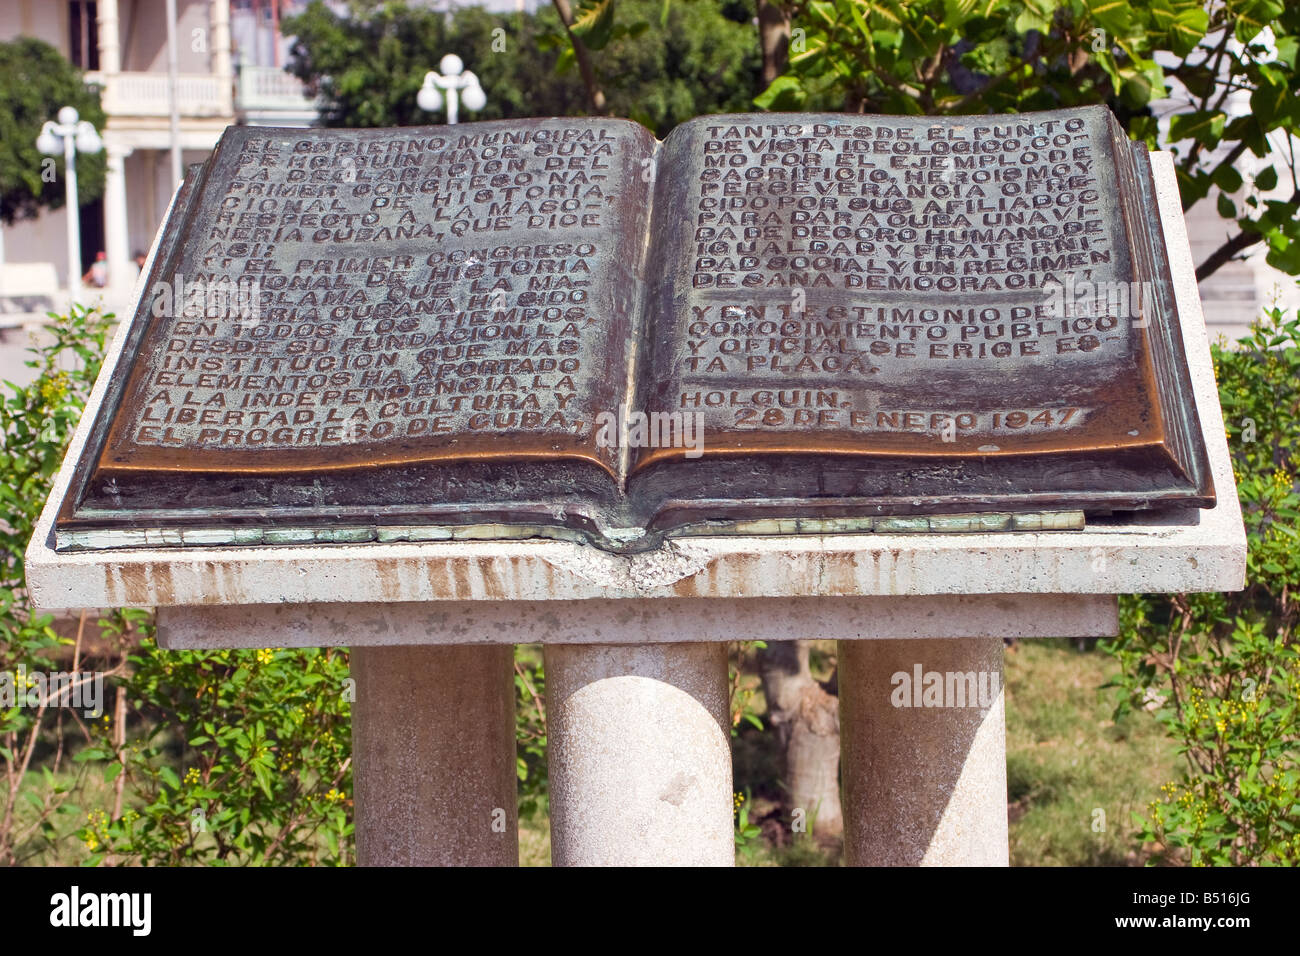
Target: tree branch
(1230, 249)
(594, 93)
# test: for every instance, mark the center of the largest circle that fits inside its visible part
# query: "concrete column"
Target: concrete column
(117, 242)
(110, 48)
(640, 755)
(219, 20)
(152, 217)
(924, 766)
(433, 740)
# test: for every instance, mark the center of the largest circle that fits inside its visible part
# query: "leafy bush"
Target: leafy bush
(211, 757)
(245, 758)
(530, 731)
(1222, 671)
(35, 424)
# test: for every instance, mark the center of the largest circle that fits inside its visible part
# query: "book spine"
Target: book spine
(639, 318)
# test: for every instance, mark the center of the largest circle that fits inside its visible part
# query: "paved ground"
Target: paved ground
(13, 353)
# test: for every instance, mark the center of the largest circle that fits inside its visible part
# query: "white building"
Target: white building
(230, 56)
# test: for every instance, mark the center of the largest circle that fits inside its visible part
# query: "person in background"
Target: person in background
(97, 274)
(139, 259)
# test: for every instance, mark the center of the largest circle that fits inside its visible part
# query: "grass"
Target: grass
(1067, 759)
(535, 841)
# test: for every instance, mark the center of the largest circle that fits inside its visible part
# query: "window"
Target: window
(83, 34)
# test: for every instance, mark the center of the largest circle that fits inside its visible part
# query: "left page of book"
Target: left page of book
(420, 302)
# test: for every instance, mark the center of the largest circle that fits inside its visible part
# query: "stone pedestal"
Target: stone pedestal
(923, 752)
(433, 742)
(639, 748)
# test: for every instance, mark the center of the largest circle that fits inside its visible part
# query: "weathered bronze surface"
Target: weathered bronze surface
(821, 316)
(389, 267)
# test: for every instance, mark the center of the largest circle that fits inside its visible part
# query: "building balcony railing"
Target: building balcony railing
(269, 88)
(199, 95)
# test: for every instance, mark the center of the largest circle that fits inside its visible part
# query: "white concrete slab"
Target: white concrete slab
(638, 620)
(1184, 550)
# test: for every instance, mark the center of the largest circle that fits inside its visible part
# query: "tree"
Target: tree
(774, 37)
(676, 61)
(805, 717)
(670, 64)
(590, 30)
(35, 83)
(944, 57)
(369, 62)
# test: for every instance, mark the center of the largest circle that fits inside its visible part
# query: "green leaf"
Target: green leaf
(1032, 20)
(1203, 126)
(593, 22)
(1266, 179)
(783, 93)
(1287, 49)
(1188, 29)
(1112, 15)
(1252, 16)
(1270, 102)
(263, 779)
(565, 61)
(1227, 178)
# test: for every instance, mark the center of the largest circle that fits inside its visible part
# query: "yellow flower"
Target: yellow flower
(54, 388)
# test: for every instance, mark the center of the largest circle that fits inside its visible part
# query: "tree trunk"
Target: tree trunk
(806, 721)
(773, 38)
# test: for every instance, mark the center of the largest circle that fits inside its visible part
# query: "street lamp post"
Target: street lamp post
(457, 82)
(173, 95)
(70, 135)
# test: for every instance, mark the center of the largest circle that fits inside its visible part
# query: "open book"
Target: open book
(563, 327)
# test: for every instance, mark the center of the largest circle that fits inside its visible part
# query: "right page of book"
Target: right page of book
(877, 306)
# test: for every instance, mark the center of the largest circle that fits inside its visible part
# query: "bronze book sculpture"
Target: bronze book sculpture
(563, 328)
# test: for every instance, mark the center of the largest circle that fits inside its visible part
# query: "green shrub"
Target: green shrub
(208, 757)
(36, 422)
(1221, 671)
(244, 759)
(530, 732)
